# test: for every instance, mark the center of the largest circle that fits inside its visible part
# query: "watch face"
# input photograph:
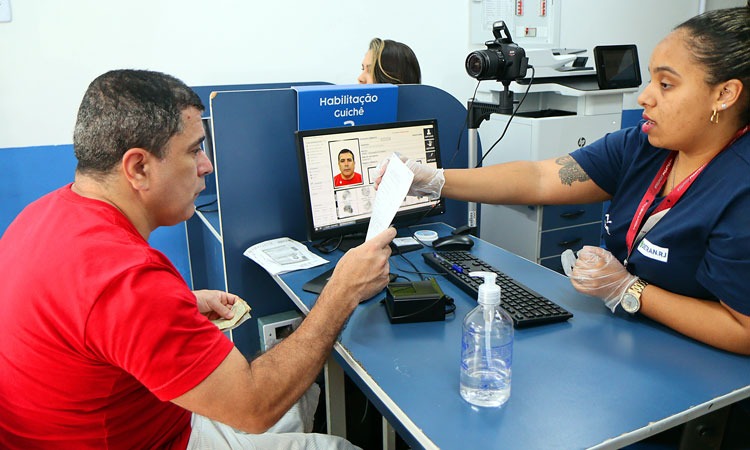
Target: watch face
(630, 303)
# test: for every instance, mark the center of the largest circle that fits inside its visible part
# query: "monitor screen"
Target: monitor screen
(338, 171)
(208, 142)
(617, 66)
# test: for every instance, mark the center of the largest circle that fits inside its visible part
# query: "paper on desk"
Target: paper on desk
(389, 196)
(283, 255)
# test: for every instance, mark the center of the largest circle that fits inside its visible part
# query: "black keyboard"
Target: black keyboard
(526, 307)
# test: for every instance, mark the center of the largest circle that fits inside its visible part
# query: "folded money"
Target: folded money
(241, 312)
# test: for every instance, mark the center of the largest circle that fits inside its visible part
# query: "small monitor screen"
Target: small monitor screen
(208, 142)
(617, 66)
(338, 167)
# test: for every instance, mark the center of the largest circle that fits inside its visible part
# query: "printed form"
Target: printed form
(389, 196)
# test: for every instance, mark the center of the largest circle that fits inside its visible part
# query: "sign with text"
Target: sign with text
(329, 106)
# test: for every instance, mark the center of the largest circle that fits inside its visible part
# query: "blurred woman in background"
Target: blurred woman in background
(388, 61)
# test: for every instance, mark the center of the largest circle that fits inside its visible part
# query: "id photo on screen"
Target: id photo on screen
(347, 159)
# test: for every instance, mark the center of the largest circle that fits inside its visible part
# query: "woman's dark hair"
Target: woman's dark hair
(394, 62)
(719, 40)
(124, 109)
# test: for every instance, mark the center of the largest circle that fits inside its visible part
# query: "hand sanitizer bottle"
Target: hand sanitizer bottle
(487, 348)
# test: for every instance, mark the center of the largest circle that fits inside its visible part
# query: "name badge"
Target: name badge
(652, 251)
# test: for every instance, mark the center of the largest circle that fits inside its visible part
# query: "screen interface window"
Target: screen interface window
(342, 168)
(619, 65)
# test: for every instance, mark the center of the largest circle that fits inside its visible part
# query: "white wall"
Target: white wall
(52, 49)
(718, 4)
(643, 23)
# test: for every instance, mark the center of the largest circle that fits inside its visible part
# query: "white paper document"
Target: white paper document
(390, 195)
(283, 255)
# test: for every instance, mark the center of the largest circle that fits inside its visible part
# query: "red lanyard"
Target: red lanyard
(673, 197)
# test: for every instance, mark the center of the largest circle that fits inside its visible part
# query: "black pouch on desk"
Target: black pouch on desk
(415, 301)
(317, 284)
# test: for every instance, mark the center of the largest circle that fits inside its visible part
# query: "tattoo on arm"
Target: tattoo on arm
(570, 171)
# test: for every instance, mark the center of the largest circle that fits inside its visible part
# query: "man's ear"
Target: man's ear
(135, 165)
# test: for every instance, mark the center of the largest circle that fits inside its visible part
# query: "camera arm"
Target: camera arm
(480, 111)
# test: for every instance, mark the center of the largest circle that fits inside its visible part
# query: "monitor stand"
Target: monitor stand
(350, 241)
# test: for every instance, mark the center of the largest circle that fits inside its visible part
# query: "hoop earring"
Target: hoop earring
(714, 116)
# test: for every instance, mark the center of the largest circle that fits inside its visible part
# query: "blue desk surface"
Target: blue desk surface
(599, 380)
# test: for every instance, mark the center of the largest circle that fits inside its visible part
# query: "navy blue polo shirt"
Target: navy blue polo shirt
(701, 247)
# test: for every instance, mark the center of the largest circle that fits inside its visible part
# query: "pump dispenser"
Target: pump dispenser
(486, 348)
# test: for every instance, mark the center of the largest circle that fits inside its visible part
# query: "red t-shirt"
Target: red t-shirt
(99, 332)
(355, 179)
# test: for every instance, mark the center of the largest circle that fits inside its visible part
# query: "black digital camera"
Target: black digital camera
(502, 61)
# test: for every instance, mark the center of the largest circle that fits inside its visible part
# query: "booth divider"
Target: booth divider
(258, 192)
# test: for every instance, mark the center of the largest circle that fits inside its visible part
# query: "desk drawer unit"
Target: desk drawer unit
(554, 242)
(569, 227)
(559, 216)
(542, 233)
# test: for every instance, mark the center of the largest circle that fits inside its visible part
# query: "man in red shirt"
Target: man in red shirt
(104, 345)
(346, 167)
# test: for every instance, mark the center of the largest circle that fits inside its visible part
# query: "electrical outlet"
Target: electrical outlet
(274, 328)
(5, 15)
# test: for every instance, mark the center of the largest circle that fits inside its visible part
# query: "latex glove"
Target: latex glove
(597, 272)
(428, 181)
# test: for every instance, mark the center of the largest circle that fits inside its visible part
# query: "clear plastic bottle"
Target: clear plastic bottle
(487, 348)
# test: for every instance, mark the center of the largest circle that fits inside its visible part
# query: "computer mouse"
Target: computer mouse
(453, 242)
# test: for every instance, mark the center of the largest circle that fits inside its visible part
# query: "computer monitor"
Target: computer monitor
(338, 171)
(617, 66)
(208, 142)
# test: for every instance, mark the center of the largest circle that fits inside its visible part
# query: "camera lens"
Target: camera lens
(474, 64)
(485, 64)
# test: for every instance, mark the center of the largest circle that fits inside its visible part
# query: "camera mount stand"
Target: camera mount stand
(479, 112)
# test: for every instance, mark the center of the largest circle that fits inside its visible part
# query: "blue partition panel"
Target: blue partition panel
(418, 101)
(206, 256)
(204, 92)
(259, 193)
(259, 189)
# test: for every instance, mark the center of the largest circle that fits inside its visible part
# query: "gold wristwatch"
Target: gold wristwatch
(631, 299)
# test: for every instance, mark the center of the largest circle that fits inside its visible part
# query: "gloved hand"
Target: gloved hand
(428, 181)
(597, 272)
